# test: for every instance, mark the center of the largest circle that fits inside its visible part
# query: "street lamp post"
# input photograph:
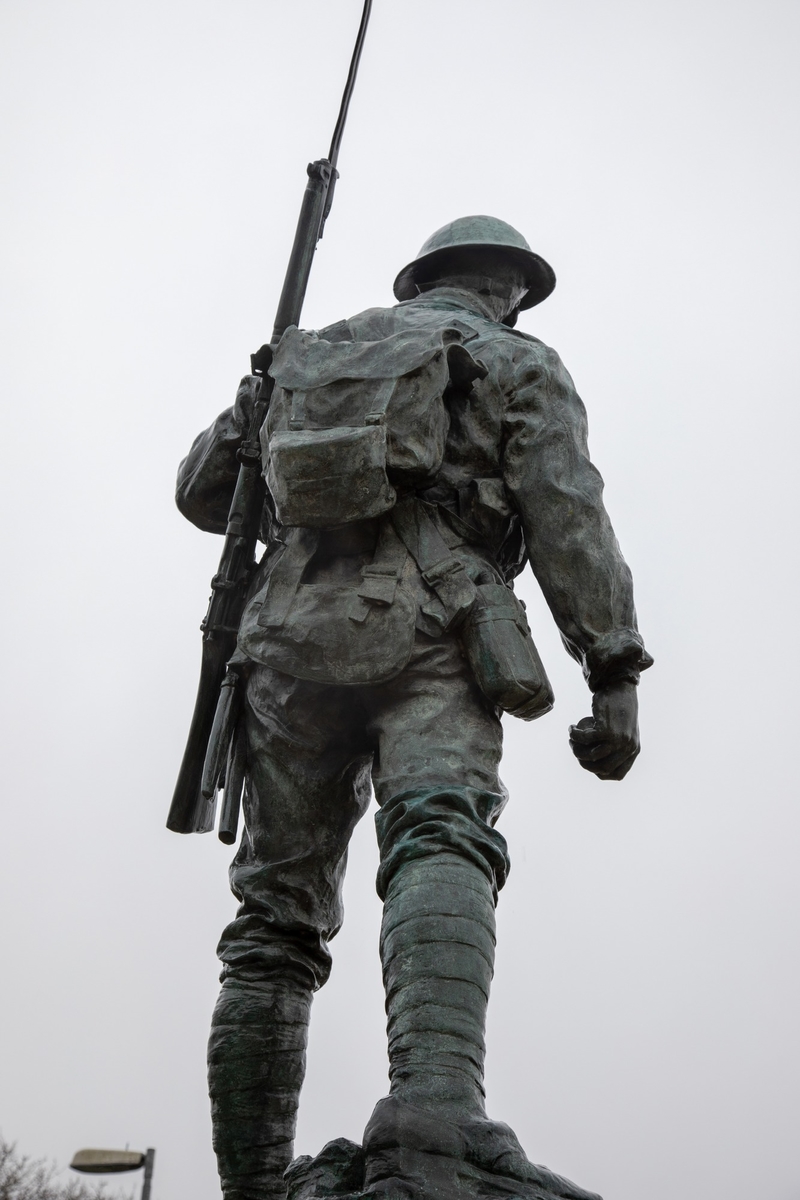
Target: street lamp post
(111, 1162)
(149, 1161)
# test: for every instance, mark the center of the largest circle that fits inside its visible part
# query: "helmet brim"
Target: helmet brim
(540, 278)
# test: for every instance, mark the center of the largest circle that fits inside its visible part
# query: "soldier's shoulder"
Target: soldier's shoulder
(519, 335)
(522, 349)
(525, 341)
(375, 323)
(369, 325)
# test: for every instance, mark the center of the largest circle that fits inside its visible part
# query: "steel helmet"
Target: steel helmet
(478, 233)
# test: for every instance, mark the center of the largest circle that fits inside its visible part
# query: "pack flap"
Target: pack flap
(303, 360)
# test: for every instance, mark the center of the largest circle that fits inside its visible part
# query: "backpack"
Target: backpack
(351, 422)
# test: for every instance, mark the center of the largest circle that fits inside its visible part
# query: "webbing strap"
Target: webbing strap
(381, 402)
(442, 572)
(297, 417)
(381, 577)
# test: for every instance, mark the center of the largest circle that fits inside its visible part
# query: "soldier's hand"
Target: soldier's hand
(607, 742)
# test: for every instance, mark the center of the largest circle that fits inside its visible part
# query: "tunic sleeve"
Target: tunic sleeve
(207, 476)
(571, 545)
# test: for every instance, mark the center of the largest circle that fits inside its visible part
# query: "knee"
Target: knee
(418, 823)
(257, 953)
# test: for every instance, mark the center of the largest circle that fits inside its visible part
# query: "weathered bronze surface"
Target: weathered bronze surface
(417, 457)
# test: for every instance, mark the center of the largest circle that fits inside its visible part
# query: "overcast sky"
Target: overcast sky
(643, 1034)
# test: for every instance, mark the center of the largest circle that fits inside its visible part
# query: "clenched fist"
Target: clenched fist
(607, 742)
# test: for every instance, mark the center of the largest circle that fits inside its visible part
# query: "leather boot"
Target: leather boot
(256, 1064)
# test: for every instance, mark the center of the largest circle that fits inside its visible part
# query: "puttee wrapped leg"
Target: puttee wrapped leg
(431, 1135)
(437, 953)
(256, 1064)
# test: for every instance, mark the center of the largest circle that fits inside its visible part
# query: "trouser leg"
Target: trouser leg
(442, 864)
(307, 787)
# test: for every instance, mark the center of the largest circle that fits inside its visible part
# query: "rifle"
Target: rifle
(214, 750)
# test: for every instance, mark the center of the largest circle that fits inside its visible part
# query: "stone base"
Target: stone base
(338, 1172)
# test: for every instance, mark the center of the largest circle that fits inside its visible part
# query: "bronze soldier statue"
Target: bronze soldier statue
(417, 457)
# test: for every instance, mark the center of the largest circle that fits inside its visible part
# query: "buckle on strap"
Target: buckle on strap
(440, 570)
(379, 584)
(380, 578)
(453, 586)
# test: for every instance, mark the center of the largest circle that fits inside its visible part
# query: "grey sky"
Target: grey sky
(643, 1032)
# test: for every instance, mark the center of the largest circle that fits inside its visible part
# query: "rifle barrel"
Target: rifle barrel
(306, 237)
(333, 153)
(191, 811)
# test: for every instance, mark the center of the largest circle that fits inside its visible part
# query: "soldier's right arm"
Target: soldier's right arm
(575, 556)
(559, 495)
(207, 476)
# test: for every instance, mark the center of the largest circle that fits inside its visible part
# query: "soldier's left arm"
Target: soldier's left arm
(574, 553)
(207, 476)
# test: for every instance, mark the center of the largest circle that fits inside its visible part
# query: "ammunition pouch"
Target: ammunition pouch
(490, 619)
(502, 654)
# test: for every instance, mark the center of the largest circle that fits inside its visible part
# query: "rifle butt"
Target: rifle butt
(190, 811)
(234, 782)
(219, 741)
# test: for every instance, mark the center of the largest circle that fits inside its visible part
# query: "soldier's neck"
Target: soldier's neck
(486, 306)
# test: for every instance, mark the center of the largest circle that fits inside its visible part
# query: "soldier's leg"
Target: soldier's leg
(442, 864)
(308, 786)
